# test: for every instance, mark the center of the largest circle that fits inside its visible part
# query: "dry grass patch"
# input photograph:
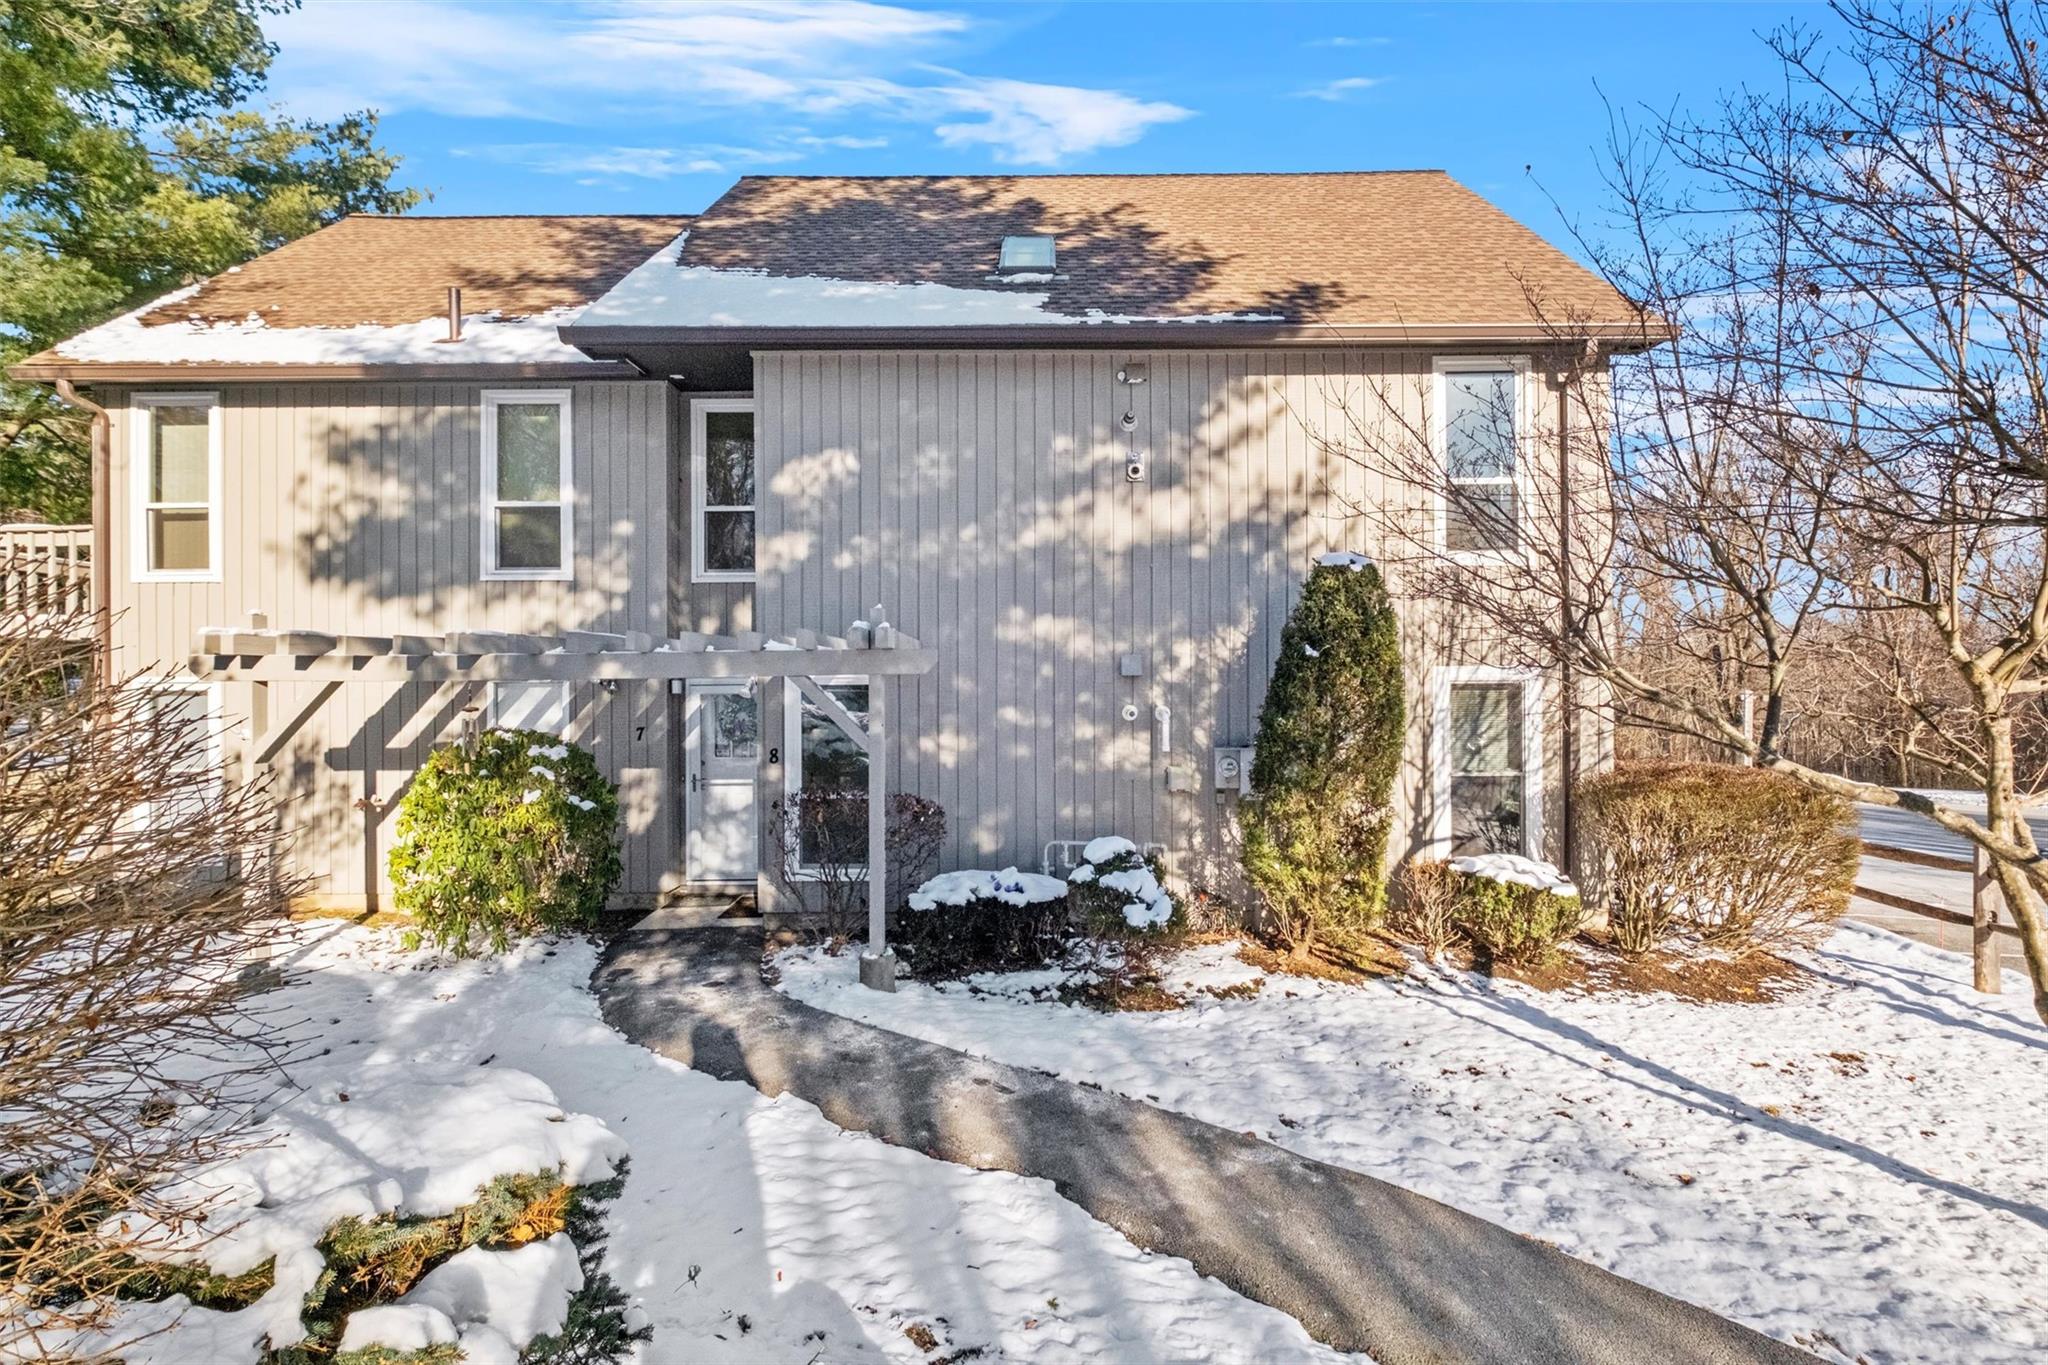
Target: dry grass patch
(1592, 965)
(1367, 958)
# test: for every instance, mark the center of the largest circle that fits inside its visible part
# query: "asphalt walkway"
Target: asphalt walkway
(1364, 1265)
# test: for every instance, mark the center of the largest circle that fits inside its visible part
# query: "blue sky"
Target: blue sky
(631, 107)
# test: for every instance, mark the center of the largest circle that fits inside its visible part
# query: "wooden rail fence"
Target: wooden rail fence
(45, 574)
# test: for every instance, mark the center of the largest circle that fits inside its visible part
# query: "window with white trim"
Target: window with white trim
(1488, 761)
(528, 528)
(185, 713)
(542, 706)
(722, 489)
(825, 758)
(1479, 416)
(177, 455)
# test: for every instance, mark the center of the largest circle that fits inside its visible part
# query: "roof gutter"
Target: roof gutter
(1620, 336)
(51, 368)
(102, 528)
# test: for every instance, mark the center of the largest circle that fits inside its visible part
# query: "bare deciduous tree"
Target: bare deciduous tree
(133, 886)
(1840, 454)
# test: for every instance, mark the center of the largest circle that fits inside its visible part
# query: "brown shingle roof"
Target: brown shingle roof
(1389, 247)
(390, 271)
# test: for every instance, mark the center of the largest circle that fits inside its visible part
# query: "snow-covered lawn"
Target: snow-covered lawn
(749, 1229)
(1860, 1165)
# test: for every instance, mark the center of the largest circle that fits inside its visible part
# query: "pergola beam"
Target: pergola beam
(258, 656)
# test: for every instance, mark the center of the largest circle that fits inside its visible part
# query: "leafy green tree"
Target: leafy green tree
(1316, 825)
(128, 167)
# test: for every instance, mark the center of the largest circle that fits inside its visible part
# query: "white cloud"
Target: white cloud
(1339, 90)
(1028, 124)
(601, 164)
(816, 60)
(1342, 41)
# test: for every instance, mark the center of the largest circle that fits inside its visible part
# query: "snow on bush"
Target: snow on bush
(1116, 888)
(971, 921)
(348, 1176)
(1008, 887)
(1515, 909)
(493, 1303)
(511, 834)
(1515, 870)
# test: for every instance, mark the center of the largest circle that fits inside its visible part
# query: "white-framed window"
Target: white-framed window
(1488, 764)
(820, 755)
(1482, 423)
(176, 450)
(528, 485)
(192, 709)
(542, 706)
(722, 490)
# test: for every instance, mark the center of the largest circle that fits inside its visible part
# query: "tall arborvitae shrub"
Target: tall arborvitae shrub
(1316, 824)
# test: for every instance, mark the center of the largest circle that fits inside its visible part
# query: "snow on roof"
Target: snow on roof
(147, 336)
(662, 292)
(486, 340)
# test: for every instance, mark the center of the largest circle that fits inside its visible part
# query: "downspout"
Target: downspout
(102, 529)
(1568, 748)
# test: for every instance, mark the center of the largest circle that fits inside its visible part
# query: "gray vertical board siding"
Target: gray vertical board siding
(354, 507)
(982, 497)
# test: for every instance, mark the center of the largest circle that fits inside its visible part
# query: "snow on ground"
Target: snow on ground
(1934, 885)
(1860, 1165)
(751, 1229)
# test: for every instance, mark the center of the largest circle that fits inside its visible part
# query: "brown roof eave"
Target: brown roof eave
(47, 367)
(1618, 336)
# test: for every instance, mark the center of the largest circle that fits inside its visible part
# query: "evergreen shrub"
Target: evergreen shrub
(513, 833)
(1329, 747)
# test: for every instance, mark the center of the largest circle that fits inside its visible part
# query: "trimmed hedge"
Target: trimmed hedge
(1716, 854)
(1510, 922)
(513, 833)
(959, 923)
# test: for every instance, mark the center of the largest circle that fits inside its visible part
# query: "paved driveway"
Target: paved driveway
(1893, 828)
(1362, 1264)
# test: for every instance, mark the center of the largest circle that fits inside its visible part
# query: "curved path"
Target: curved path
(1364, 1265)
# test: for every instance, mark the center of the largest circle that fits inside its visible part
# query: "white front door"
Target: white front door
(721, 757)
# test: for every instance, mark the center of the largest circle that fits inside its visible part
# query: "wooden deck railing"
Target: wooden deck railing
(45, 573)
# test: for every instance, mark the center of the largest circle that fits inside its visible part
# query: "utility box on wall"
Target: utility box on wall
(1234, 769)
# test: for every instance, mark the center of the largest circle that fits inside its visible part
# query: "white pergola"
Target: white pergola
(258, 656)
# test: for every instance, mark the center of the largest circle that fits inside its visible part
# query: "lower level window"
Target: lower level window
(832, 775)
(183, 718)
(1489, 784)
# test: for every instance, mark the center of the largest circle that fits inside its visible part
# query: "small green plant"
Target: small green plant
(513, 833)
(1512, 922)
(1330, 735)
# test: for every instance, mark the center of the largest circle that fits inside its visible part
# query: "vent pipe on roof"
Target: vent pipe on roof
(454, 313)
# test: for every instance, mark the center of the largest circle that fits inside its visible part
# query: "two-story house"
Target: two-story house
(1072, 432)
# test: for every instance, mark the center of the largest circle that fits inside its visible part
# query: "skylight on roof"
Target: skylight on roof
(1026, 253)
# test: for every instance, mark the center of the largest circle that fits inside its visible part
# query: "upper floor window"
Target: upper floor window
(177, 456)
(528, 531)
(1479, 415)
(722, 489)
